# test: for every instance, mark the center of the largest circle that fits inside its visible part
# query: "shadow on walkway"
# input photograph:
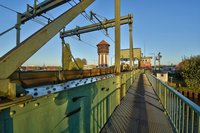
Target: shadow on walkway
(139, 112)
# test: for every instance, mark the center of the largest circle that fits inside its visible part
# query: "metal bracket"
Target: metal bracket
(7, 89)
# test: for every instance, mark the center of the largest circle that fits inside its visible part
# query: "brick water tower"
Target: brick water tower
(103, 50)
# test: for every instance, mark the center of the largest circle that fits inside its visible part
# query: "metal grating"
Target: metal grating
(139, 112)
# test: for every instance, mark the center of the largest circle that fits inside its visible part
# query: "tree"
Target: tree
(84, 61)
(190, 70)
(77, 64)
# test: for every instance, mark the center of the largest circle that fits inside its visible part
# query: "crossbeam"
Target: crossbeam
(98, 26)
(37, 10)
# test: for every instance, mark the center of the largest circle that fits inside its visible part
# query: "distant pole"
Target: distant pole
(171, 79)
(117, 36)
(154, 62)
(159, 56)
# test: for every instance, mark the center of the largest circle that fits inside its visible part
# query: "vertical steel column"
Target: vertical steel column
(63, 61)
(18, 29)
(117, 36)
(117, 50)
(131, 46)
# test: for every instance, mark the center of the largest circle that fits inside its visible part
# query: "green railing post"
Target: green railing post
(192, 121)
(165, 99)
(183, 118)
(179, 115)
(187, 122)
(183, 113)
(198, 117)
(177, 112)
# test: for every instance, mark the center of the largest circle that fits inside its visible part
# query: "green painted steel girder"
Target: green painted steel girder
(82, 109)
(37, 10)
(18, 55)
(98, 26)
(117, 37)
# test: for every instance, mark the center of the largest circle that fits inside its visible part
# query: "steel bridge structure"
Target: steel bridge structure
(97, 100)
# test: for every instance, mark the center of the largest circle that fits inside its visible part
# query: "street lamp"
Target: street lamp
(158, 58)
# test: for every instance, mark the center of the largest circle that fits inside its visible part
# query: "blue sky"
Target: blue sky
(171, 27)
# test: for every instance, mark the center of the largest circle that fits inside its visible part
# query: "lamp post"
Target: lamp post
(158, 58)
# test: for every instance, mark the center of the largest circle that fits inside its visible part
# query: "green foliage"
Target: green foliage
(78, 65)
(190, 70)
(84, 61)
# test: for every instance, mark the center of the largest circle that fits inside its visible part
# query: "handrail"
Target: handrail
(182, 97)
(183, 113)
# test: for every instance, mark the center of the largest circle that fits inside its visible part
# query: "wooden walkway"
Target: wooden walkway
(139, 112)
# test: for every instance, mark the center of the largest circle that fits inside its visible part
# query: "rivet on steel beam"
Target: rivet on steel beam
(21, 94)
(65, 88)
(47, 88)
(26, 92)
(35, 89)
(67, 85)
(12, 112)
(37, 104)
(49, 92)
(54, 89)
(35, 94)
(22, 105)
(102, 88)
(77, 84)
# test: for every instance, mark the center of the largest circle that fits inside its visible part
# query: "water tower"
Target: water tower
(103, 50)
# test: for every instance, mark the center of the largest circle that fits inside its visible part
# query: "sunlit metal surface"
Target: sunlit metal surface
(48, 89)
(183, 113)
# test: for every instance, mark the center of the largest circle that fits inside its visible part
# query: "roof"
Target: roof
(103, 42)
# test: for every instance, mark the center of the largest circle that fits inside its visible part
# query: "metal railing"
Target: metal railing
(183, 113)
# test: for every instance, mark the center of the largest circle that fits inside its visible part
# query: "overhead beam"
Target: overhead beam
(18, 55)
(37, 10)
(98, 26)
(34, 11)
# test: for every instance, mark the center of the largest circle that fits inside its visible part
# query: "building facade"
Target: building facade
(145, 62)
